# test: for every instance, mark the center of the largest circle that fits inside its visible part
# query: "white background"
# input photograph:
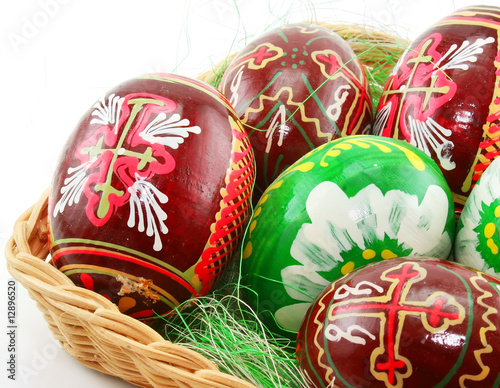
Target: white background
(59, 56)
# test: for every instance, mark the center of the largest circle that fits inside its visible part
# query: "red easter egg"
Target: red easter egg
(294, 88)
(443, 96)
(405, 322)
(151, 194)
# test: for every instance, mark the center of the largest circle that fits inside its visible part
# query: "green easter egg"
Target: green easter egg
(477, 244)
(348, 203)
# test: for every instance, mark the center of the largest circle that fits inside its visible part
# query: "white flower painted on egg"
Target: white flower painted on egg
(345, 233)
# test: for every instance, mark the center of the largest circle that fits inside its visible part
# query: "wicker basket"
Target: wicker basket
(91, 328)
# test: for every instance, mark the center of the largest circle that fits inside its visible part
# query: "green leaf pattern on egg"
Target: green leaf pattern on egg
(478, 241)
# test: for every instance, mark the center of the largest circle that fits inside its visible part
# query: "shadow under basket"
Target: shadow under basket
(91, 328)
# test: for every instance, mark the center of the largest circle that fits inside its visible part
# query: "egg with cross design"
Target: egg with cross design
(443, 96)
(151, 194)
(294, 88)
(406, 322)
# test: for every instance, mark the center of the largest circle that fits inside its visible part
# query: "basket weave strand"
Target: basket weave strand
(92, 329)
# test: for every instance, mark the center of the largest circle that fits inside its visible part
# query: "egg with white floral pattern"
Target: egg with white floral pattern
(351, 202)
(442, 96)
(151, 194)
(477, 243)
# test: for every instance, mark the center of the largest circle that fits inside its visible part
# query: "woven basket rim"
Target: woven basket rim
(90, 327)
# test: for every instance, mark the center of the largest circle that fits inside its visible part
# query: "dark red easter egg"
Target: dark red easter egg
(151, 194)
(444, 96)
(404, 322)
(294, 88)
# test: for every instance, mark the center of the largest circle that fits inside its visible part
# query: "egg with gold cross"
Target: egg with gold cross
(406, 322)
(443, 96)
(151, 194)
(354, 201)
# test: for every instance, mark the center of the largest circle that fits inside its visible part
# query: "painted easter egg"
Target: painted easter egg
(404, 322)
(151, 194)
(294, 88)
(357, 200)
(444, 96)
(477, 241)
